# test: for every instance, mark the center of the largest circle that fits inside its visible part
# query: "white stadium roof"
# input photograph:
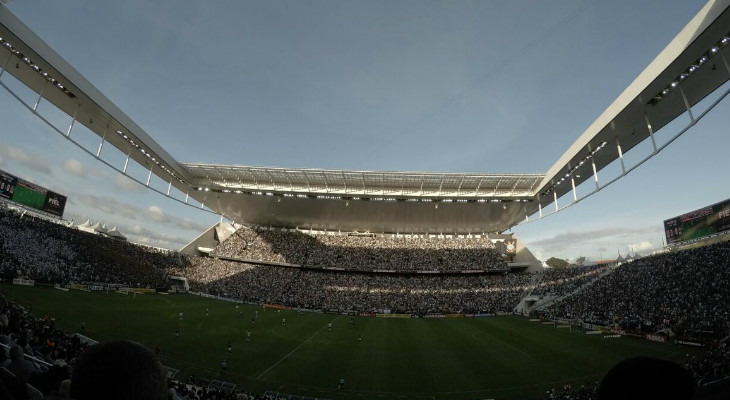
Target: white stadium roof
(675, 81)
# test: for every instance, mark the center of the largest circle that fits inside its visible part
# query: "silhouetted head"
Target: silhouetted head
(646, 378)
(120, 370)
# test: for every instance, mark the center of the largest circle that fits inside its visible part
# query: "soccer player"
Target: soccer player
(240, 314)
(359, 339)
(177, 333)
(329, 326)
(230, 348)
(224, 366)
(283, 322)
(206, 312)
(248, 336)
(180, 315)
(341, 384)
(83, 326)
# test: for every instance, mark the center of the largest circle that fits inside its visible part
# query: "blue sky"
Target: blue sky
(462, 86)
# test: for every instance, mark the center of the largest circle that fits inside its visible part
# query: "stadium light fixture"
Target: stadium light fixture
(35, 67)
(575, 168)
(724, 41)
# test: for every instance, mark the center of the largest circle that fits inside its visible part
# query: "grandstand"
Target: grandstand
(677, 297)
(380, 247)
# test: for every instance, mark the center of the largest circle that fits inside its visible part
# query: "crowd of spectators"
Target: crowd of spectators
(584, 392)
(46, 251)
(351, 291)
(710, 366)
(363, 252)
(22, 334)
(562, 281)
(33, 352)
(703, 375)
(185, 391)
(685, 290)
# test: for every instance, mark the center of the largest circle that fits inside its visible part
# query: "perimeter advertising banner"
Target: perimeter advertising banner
(30, 194)
(698, 223)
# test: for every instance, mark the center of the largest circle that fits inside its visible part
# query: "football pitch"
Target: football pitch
(501, 358)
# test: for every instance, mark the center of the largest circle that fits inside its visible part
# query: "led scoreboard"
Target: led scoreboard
(30, 194)
(698, 223)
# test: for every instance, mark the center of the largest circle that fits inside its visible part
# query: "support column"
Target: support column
(68, 132)
(149, 176)
(651, 131)
(555, 197)
(686, 104)
(40, 96)
(724, 61)
(620, 155)
(101, 144)
(6, 65)
(572, 183)
(126, 161)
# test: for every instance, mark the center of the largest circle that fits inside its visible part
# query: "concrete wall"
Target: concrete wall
(210, 238)
(524, 255)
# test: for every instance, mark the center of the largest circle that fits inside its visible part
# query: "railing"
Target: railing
(32, 359)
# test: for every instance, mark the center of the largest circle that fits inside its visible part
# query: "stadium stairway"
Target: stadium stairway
(550, 300)
(522, 306)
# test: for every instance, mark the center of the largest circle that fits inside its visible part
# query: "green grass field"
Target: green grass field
(473, 358)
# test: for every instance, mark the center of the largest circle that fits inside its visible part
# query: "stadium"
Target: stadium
(324, 283)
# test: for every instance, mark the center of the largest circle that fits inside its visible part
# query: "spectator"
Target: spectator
(120, 370)
(19, 366)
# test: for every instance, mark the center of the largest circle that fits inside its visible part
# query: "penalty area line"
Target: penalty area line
(293, 351)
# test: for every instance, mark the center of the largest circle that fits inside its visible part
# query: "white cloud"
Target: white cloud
(643, 247)
(141, 234)
(73, 167)
(573, 239)
(124, 183)
(110, 205)
(156, 214)
(26, 159)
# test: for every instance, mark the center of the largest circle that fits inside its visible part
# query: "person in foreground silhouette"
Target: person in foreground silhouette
(118, 370)
(646, 378)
